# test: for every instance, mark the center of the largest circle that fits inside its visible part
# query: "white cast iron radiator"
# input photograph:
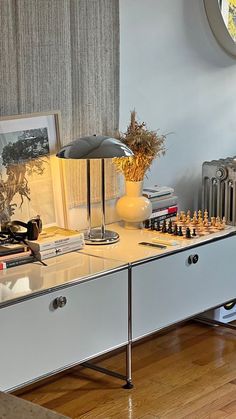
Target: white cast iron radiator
(219, 188)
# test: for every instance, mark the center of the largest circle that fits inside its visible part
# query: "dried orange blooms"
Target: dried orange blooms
(146, 146)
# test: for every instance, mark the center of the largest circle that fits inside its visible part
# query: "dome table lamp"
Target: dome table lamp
(89, 148)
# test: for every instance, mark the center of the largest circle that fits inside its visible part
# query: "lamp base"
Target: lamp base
(95, 237)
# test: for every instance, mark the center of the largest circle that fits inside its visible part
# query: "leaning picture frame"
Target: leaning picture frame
(31, 181)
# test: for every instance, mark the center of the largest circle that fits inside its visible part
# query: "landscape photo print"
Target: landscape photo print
(30, 175)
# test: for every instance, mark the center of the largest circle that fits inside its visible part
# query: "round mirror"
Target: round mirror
(221, 15)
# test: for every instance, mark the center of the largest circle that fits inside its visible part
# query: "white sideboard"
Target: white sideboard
(170, 289)
(82, 314)
(167, 287)
(85, 304)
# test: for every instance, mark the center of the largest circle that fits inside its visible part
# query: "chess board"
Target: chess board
(188, 225)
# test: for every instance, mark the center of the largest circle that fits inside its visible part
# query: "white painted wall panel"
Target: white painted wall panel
(179, 80)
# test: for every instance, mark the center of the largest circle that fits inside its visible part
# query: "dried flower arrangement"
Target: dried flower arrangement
(146, 146)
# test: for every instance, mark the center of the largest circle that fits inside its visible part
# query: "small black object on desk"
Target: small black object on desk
(159, 246)
(152, 224)
(188, 233)
(164, 229)
(180, 233)
(157, 225)
(146, 223)
(175, 230)
(170, 229)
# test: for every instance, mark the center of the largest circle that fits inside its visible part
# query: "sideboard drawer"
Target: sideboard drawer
(173, 288)
(48, 333)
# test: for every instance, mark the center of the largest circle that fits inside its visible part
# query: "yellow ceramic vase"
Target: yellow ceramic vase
(133, 207)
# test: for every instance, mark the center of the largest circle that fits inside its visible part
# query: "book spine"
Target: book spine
(68, 240)
(12, 251)
(162, 198)
(158, 192)
(16, 262)
(59, 250)
(46, 254)
(157, 195)
(15, 256)
(66, 248)
(164, 211)
(38, 247)
(162, 217)
(158, 205)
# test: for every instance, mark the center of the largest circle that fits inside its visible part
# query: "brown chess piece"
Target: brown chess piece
(205, 221)
(194, 220)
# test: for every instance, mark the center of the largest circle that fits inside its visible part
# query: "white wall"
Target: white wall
(179, 80)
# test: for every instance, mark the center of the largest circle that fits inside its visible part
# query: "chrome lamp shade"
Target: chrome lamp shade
(96, 147)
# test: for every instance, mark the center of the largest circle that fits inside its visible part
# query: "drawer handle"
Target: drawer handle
(193, 259)
(59, 302)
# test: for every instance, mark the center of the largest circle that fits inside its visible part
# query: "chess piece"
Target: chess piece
(199, 215)
(188, 219)
(205, 221)
(146, 224)
(152, 224)
(157, 225)
(182, 216)
(200, 224)
(188, 233)
(194, 220)
(170, 230)
(194, 232)
(223, 222)
(180, 233)
(213, 221)
(175, 229)
(217, 223)
(164, 229)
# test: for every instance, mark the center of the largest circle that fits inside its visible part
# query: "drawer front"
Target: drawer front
(170, 289)
(37, 338)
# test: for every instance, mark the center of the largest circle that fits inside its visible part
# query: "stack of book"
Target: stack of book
(14, 255)
(164, 202)
(54, 241)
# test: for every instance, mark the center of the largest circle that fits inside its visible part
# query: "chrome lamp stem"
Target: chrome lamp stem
(88, 198)
(98, 235)
(103, 198)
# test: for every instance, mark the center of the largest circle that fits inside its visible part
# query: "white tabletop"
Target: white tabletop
(94, 260)
(128, 249)
(34, 278)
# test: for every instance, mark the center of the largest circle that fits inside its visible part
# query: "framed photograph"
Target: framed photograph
(30, 173)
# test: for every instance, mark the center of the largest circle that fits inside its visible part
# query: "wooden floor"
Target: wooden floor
(189, 372)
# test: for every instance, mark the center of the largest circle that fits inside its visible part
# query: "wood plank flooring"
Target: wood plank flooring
(189, 372)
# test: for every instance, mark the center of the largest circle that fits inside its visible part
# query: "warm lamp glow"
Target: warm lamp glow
(96, 147)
